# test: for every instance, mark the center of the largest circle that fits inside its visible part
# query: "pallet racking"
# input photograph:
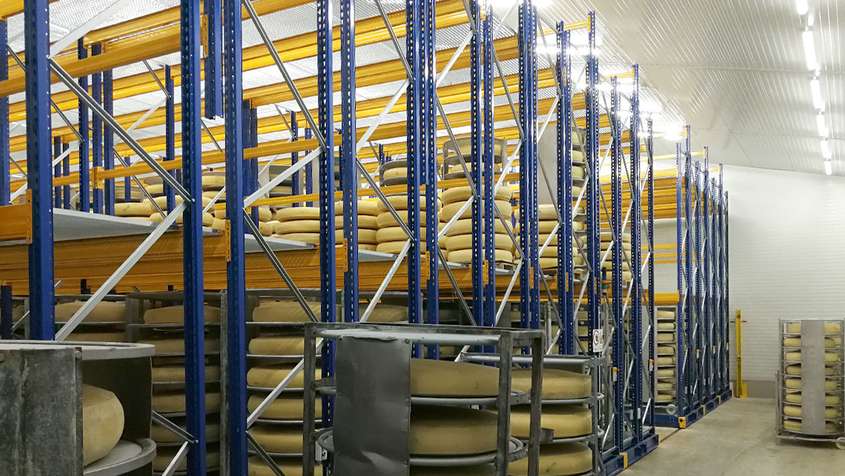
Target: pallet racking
(53, 245)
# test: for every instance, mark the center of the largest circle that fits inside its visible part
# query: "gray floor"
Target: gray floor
(738, 439)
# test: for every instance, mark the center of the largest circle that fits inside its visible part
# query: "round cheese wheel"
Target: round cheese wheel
(219, 225)
(557, 384)
(104, 311)
(795, 384)
(666, 361)
(160, 434)
(82, 336)
(566, 421)
(665, 314)
(207, 218)
(387, 313)
(394, 173)
(451, 431)
(174, 402)
(132, 209)
(297, 213)
(367, 236)
(102, 422)
(829, 327)
(462, 194)
(544, 228)
(443, 378)
(277, 345)
(297, 226)
(385, 219)
(177, 346)
(665, 373)
(278, 439)
(796, 370)
(399, 202)
(176, 373)
(796, 356)
(560, 459)
(289, 466)
(795, 425)
(464, 226)
(368, 222)
(365, 208)
(395, 233)
(283, 311)
(666, 327)
(795, 411)
(311, 238)
(666, 350)
(796, 399)
(394, 247)
(465, 256)
(165, 455)
(450, 210)
(285, 407)
(665, 337)
(268, 376)
(176, 314)
(829, 342)
(464, 242)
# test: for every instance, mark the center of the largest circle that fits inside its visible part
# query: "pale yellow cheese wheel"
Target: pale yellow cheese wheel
(665, 386)
(311, 238)
(796, 399)
(443, 378)
(365, 208)
(665, 314)
(395, 247)
(268, 376)
(795, 384)
(132, 209)
(297, 213)
(174, 402)
(464, 226)
(795, 425)
(278, 439)
(285, 407)
(264, 213)
(560, 459)
(465, 256)
(544, 227)
(297, 226)
(464, 242)
(176, 373)
(395, 233)
(666, 327)
(666, 350)
(265, 227)
(394, 173)
(368, 222)
(97, 336)
(207, 218)
(289, 466)
(165, 455)
(665, 337)
(160, 434)
(557, 384)
(399, 202)
(102, 422)
(385, 219)
(565, 421)
(177, 346)
(175, 314)
(283, 311)
(104, 311)
(796, 370)
(829, 342)
(386, 313)
(796, 356)
(829, 327)
(795, 411)
(219, 225)
(665, 373)
(277, 345)
(666, 361)
(367, 247)
(450, 210)
(462, 194)
(451, 431)
(664, 397)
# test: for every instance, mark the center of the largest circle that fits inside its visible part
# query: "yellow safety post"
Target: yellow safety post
(741, 390)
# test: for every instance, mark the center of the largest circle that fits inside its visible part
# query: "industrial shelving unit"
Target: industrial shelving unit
(701, 305)
(52, 245)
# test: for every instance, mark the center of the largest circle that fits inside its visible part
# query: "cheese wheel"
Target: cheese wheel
(665, 326)
(829, 327)
(544, 228)
(665, 314)
(289, 466)
(219, 225)
(795, 411)
(450, 210)
(104, 311)
(283, 311)
(566, 421)
(462, 194)
(795, 425)
(285, 407)
(829, 342)
(443, 378)
(160, 434)
(165, 455)
(278, 439)
(365, 208)
(465, 256)
(451, 431)
(175, 314)
(132, 209)
(394, 247)
(265, 227)
(665, 337)
(311, 238)
(387, 313)
(102, 423)
(464, 226)
(464, 242)
(98, 336)
(385, 219)
(394, 173)
(207, 218)
(368, 222)
(795, 384)
(796, 370)
(176, 373)
(560, 459)
(796, 399)
(395, 233)
(557, 384)
(297, 213)
(268, 376)
(174, 402)
(665, 373)
(399, 202)
(297, 226)
(666, 361)
(277, 345)
(796, 356)
(665, 350)
(177, 346)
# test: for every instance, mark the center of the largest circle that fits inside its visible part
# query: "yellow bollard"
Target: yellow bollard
(740, 390)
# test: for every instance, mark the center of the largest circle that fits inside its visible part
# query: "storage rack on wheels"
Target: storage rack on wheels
(701, 305)
(241, 257)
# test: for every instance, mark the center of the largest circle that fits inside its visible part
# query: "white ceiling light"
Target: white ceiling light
(816, 91)
(810, 50)
(828, 167)
(802, 6)
(821, 124)
(826, 152)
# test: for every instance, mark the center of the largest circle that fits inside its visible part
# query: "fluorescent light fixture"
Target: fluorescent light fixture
(826, 152)
(828, 167)
(802, 6)
(821, 124)
(810, 50)
(816, 91)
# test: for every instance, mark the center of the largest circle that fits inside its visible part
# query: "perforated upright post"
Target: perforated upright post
(489, 316)
(5, 157)
(475, 161)
(431, 188)
(414, 119)
(97, 131)
(192, 235)
(84, 164)
(565, 262)
(295, 179)
(652, 312)
(619, 361)
(591, 155)
(214, 58)
(169, 133)
(39, 170)
(524, 165)
(108, 141)
(636, 261)
(348, 159)
(530, 140)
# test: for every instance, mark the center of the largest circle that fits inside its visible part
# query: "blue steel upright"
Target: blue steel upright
(619, 361)
(192, 235)
(214, 58)
(488, 318)
(235, 268)
(65, 172)
(39, 170)
(169, 133)
(591, 155)
(5, 192)
(432, 219)
(475, 162)
(294, 157)
(565, 263)
(636, 261)
(84, 164)
(328, 267)
(97, 130)
(414, 138)
(531, 135)
(348, 158)
(524, 165)
(58, 191)
(108, 141)
(650, 231)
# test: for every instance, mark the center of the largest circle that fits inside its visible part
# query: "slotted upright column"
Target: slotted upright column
(591, 155)
(636, 260)
(619, 361)
(489, 317)
(108, 141)
(192, 236)
(5, 192)
(97, 131)
(414, 119)
(84, 165)
(652, 328)
(169, 133)
(530, 140)
(235, 277)
(39, 169)
(475, 161)
(565, 263)
(525, 83)
(348, 167)
(431, 189)
(213, 59)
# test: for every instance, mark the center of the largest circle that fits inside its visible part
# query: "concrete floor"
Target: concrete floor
(738, 439)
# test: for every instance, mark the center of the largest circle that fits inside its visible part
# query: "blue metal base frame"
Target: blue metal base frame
(621, 461)
(685, 421)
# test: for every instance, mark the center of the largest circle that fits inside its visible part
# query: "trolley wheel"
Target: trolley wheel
(840, 443)
(672, 409)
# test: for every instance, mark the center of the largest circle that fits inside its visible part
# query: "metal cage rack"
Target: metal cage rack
(322, 154)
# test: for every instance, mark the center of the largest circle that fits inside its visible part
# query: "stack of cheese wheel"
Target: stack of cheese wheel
(212, 182)
(300, 224)
(277, 344)
(102, 423)
(368, 211)
(458, 241)
(105, 323)
(793, 404)
(607, 242)
(266, 224)
(163, 327)
(667, 352)
(546, 223)
(566, 420)
(390, 238)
